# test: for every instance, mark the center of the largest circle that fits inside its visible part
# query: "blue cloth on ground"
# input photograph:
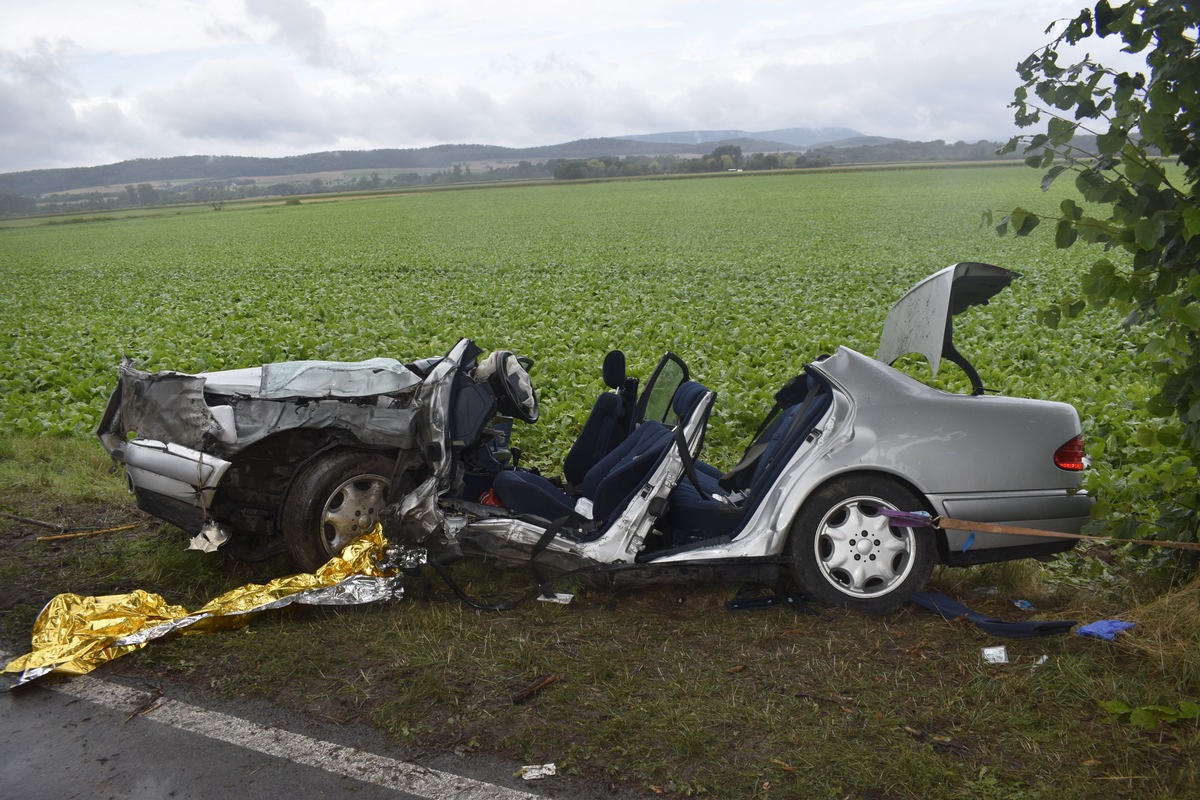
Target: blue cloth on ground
(951, 609)
(1105, 628)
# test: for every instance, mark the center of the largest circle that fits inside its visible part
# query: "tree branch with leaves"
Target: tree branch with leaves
(1131, 139)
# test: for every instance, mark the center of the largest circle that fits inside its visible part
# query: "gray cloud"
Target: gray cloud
(529, 75)
(246, 100)
(299, 26)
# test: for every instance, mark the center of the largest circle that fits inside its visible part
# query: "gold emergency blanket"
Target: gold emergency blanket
(73, 635)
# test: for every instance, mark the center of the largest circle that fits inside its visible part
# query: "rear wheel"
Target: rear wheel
(332, 501)
(844, 553)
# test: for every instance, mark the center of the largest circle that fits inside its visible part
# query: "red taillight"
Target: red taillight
(1070, 455)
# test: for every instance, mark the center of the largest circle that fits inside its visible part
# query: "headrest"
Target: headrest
(686, 397)
(614, 369)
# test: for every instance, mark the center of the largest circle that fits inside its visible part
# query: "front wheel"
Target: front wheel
(844, 553)
(333, 500)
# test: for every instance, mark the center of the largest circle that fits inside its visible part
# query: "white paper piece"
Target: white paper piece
(995, 655)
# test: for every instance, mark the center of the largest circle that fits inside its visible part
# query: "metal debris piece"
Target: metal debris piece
(73, 635)
(535, 772)
(563, 598)
(210, 537)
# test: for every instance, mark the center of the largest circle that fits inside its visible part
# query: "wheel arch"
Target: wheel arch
(265, 473)
(927, 505)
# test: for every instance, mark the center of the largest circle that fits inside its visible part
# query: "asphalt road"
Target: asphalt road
(90, 737)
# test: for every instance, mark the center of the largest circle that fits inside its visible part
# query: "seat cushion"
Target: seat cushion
(528, 493)
(607, 484)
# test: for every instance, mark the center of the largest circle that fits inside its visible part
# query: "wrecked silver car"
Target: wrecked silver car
(311, 454)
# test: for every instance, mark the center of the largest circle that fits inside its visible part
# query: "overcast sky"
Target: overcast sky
(84, 82)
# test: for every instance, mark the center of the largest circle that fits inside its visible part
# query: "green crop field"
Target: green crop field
(745, 277)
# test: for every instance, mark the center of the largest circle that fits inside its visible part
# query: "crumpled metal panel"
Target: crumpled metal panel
(917, 323)
(171, 407)
(434, 398)
(373, 424)
(165, 406)
(336, 378)
(73, 635)
(417, 520)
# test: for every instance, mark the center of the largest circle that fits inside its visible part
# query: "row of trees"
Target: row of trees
(723, 159)
(146, 194)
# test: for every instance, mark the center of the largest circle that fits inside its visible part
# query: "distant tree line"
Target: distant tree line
(721, 159)
(221, 191)
(937, 150)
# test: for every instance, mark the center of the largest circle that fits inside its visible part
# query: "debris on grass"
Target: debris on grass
(951, 609)
(73, 635)
(1105, 628)
(533, 689)
(995, 655)
(533, 772)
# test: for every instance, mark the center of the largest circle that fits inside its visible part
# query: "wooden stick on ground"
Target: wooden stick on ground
(80, 534)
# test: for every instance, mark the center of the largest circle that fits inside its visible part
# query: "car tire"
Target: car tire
(844, 554)
(333, 500)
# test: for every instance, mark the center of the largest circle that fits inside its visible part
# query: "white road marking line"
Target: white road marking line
(338, 759)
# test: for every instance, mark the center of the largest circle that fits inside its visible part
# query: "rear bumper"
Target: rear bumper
(1049, 510)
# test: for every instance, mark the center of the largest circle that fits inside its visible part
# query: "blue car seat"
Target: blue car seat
(610, 482)
(611, 420)
(695, 513)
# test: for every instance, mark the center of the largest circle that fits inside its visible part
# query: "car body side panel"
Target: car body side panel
(947, 443)
(947, 446)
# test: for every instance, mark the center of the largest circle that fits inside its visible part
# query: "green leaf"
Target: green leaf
(1070, 209)
(1147, 232)
(1144, 718)
(1050, 175)
(1164, 713)
(1061, 130)
(1191, 221)
(1111, 141)
(1065, 234)
(1189, 710)
(1189, 316)
(1049, 317)
(1023, 222)
(1116, 707)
